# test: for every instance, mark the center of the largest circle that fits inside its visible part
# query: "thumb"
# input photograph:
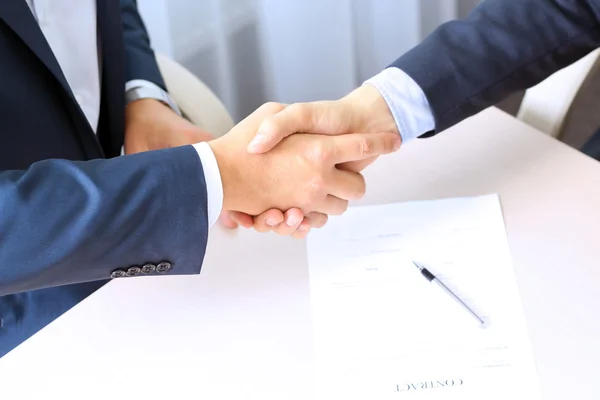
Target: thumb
(323, 117)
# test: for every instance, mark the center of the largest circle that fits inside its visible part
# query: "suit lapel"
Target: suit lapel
(18, 16)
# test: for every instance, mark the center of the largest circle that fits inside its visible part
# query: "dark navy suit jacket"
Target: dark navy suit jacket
(71, 211)
(503, 46)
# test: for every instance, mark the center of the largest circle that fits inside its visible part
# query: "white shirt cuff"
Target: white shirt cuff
(212, 177)
(406, 101)
(163, 97)
(140, 82)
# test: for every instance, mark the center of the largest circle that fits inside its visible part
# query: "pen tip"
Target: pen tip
(417, 265)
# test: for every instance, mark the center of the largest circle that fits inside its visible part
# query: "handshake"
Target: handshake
(275, 178)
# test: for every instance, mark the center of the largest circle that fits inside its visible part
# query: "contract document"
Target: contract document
(383, 331)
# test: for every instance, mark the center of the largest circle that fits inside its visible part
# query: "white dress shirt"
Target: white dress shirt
(70, 30)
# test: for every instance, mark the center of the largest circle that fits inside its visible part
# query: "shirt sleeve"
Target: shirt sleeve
(164, 96)
(406, 101)
(212, 177)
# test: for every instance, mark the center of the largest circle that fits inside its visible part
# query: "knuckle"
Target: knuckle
(313, 191)
(272, 107)
(318, 152)
(316, 184)
(308, 114)
(391, 144)
(365, 147)
(319, 116)
(299, 110)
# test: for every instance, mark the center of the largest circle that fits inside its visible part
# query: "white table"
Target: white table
(242, 329)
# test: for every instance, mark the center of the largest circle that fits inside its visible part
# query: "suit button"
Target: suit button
(163, 267)
(119, 273)
(133, 271)
(148, 268)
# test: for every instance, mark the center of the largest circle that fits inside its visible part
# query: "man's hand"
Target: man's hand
(151, 125)
(299, 172)
(364, 110)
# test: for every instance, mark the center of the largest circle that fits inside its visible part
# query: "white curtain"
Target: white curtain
(253, 51)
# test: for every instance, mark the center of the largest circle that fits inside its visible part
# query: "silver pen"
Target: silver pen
(432, 278)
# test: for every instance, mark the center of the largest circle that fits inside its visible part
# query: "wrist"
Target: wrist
(230, 173)
(371, 111)
(142, 110)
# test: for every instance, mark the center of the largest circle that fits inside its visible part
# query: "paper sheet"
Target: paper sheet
(383, 331)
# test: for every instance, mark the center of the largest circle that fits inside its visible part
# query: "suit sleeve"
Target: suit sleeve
(140, 62)
(64, 222)
(503, 46)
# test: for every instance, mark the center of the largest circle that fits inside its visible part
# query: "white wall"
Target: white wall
(155, 15)
(308, 48)
(384, 29)
(436, 12)
(252, 51)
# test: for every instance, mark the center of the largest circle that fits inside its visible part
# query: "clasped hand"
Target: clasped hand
(309, 175)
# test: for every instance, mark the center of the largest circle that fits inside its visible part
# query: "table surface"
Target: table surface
(242, 328)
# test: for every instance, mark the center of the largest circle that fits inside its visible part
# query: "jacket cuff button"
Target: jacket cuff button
(148, 268)
(133, 271)
(119, 273)
(163, 267)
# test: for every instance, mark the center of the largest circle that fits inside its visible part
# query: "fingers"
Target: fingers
(332, 206)
(298, 227)
(302, 230)
(285, 224)
(266, 110)
(347, 185)
(361, 146)
(291, 223)
(241, 218)
(316, 220)
(356, 166)
(312, 220)
(293, 218)
(324, 117)
(268, 220)
(227, 221)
